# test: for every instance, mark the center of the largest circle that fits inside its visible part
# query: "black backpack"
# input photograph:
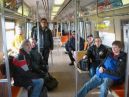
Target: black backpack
(50, 82)
(83, 64)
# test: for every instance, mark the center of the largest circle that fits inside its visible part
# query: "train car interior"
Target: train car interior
(70, 26)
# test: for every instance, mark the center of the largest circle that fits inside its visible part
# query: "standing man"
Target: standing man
(45, 39)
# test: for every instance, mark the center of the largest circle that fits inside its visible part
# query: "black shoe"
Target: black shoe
(72, 63)
(66, 52)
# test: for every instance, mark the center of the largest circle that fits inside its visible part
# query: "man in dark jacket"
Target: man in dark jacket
(37, 61)
(95, 54)
(23, 75)
(90, 41)
(70, 46)
(45, 39)
(112, 70)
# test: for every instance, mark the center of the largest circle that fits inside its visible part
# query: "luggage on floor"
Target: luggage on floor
(50, 82)
(83, 64)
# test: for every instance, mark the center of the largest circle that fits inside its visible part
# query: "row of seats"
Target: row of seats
(16, 91)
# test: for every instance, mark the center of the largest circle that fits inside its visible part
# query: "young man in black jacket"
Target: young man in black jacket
(95, 54)
(45, 39)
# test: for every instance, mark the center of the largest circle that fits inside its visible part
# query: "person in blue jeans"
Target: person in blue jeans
(23, 75)
(112, 70)
(37, 87)
(95, 54)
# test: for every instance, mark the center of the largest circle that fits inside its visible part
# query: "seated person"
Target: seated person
(112, 70)
(23, 75)
(40, 68)
(37, 59)
(95, 54)
(89, 41)
(70, 46)
(18, 39)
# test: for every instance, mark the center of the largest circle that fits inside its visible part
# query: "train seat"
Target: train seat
(19, 92)
(118, 91)
(64, 39)
(16, 91)
(78, 55)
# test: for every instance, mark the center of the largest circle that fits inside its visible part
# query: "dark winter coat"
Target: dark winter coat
(115, 67)
(96, 55)
(70, 45)
(38, 64)
(22, 77)
(47, 37)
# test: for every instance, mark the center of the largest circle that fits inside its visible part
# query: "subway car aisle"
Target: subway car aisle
(63, 73)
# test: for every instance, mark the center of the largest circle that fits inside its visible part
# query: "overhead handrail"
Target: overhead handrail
(9, 12)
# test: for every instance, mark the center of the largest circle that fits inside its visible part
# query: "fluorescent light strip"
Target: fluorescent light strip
(55, 8)
(52, 17)
(58, 2)
(53, 14)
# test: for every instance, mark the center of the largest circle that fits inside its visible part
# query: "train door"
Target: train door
(126, 49)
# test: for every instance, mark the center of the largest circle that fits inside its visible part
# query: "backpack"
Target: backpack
(83, 64)
(50, 82)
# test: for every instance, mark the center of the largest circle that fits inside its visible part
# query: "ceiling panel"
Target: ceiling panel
(41, 9)
(68, 11)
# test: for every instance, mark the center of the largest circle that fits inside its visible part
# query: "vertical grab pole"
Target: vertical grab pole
(5, 52)
(51, 57)
(37, 2)
(61, 29)
(57, 30)
(127, 70)
(69, 29)
(76, 39)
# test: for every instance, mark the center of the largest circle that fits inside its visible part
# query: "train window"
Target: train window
(9, 25)
(9, 33)
(125, 2)
(106, 31)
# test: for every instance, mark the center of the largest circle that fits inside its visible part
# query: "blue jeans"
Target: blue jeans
(93, 83)
(37, 87)
(92, 71)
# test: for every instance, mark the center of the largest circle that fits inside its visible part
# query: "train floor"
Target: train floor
(65, 74)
